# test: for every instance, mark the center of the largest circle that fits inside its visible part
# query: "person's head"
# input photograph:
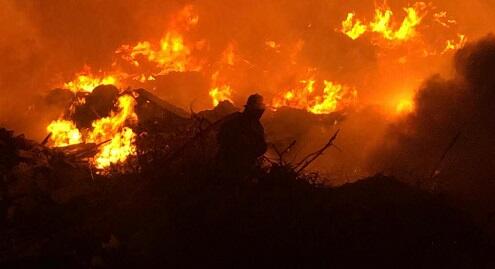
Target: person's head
(254, 106)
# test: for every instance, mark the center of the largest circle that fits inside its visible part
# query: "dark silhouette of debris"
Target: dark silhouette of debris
(313, 156)
(57, 215)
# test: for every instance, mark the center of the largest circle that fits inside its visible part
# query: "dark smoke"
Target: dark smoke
(449, 143)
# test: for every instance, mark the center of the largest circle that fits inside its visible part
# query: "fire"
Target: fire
(146, 60)
(86, 81)
(220, 89)
(118, 141)
(404, 106)
(117, 150)
(169, 55)
(219, 94)
(442, 19)
(63, 133)
(327, 103)
(104, 128)
(140, 62)
(353, 29)
(455, 45)
(307, 99)
(113, 128)
(283, 58)
(408, 27)
(383, 25)
(296, 98)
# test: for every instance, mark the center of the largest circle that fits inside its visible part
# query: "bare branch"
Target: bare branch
(313, 156)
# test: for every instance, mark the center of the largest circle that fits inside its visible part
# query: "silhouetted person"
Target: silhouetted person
(241, 139)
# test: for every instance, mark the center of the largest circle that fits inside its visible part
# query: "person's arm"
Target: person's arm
(261, 145)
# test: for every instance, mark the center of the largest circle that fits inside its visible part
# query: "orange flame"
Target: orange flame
(63, 133)
(404, 106)
(112, 128)
(353, 29)
(219, 94)
(86, 81)
(455, 45)
(307, 99)
(327, 103)
(119, 140)
(170, 55)
(296, 98)
(120, 147)
(383, 25)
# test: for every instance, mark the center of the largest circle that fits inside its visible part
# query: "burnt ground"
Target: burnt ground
(57, 215)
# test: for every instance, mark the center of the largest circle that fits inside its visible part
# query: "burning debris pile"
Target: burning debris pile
(130, 172)
(98, 119)
(187, 66)
(324, 65)
(118, 131)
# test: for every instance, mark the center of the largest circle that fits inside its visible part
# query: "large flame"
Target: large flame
(169, 55)
(141, 62)
(118, 140)
(332, 93)
(383, 24)
(112, 129)
(86, 81)
(120, 147)
(64, 133)
(221, 93)
(174, 52)
(308, 99)
(146, 59)
(296, 98)
(282, 67)
(353, 29)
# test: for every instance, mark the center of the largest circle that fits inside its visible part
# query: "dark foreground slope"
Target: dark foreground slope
(56, 215)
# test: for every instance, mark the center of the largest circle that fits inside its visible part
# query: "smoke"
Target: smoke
(449, 142)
